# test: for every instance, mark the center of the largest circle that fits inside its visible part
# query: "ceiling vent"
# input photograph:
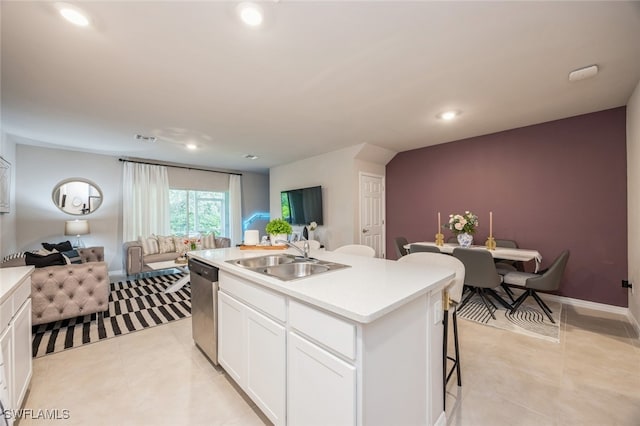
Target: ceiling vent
(146, 138)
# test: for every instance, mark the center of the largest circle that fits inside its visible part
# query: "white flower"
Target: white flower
(459, 226)
(313, 226)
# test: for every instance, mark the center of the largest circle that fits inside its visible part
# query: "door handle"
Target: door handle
(365, 230)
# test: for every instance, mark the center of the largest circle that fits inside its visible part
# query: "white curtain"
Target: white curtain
(145, 195)
(235, 209)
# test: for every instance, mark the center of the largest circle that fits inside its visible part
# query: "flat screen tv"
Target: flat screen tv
(302, 206)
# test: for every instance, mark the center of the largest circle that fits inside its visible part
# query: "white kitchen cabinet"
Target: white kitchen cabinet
(252, 346)
(361, 346)
(321, 387)
(6, 342)
(231, 337)
(15, 332)
(266, 365)
(22, 365)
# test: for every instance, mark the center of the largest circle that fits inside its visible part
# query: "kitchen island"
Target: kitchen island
(360, 345)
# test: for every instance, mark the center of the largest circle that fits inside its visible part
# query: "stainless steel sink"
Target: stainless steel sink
(286, 267)
(292, 271)
(269, 260)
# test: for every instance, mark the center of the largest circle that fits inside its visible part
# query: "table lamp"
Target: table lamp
(77, 228)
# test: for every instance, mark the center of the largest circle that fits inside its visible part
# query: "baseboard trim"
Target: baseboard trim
(586, 304)
(634, 322)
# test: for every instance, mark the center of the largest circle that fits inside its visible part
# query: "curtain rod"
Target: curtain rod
(178, 167)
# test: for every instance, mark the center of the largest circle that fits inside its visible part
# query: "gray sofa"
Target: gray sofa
(135, 261)
(67, 291)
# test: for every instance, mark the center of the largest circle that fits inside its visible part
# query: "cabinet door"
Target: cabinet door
(266, 365)
(231, 337)
(321, 388)
(21, 352)
(6, 342)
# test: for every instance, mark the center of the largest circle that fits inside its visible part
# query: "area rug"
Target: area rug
(529, 319)
(133, 305)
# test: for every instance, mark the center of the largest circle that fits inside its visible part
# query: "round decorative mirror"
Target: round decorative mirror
(77, 196)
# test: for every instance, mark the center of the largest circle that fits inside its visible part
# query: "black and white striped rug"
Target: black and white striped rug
(528, 319)
(133, 305)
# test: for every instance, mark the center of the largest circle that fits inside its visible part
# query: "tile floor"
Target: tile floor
(157, 377)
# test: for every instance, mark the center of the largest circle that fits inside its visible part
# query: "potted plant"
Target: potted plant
(278, 229)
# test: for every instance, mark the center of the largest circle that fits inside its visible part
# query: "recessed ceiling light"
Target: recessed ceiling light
(250, 14)
(448, 115)
(250, 157)
(73, 14)
(192, 146)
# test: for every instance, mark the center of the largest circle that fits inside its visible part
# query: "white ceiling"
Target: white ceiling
(316, 77)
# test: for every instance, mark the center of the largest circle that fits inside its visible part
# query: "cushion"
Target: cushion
(63, 246)
(72, 256)
(165, 244)
(181, 243)
(209, 241)
(149, 245)
(38, 261)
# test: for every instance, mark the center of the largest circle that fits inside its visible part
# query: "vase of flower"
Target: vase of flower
(464, 239)
(463, 226)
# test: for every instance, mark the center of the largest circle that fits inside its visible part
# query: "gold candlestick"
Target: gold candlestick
(439, 239)
(491, 243)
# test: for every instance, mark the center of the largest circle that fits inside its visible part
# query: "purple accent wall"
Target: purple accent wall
(552, 186)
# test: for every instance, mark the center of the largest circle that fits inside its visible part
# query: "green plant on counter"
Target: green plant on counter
(278, 226)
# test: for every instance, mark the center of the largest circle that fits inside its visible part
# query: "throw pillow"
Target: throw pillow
(149, 245)
(72, 256)
(38, 261)
(63, 246)
(209, 241)
(165, 244)
(181, 243)
(43, 252)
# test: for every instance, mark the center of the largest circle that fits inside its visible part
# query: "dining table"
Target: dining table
(505, 253)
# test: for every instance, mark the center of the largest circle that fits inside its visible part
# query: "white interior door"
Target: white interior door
(372, 212)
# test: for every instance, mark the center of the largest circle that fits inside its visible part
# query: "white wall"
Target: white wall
(8, 220)
(39, 169)
(338, 174)
(633, 200)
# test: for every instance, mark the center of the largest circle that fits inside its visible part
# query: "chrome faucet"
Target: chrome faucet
(304, 251)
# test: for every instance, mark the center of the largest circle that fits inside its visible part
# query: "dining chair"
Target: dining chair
(417, 248)
(504, 266)
(451, 298)
(400, 242)
(357, 249)
(547, 280)
(481, 277)
(515, 265)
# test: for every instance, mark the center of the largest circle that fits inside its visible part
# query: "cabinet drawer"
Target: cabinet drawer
(264, 300)
(22, 293)
(6, 313)
(333, 332)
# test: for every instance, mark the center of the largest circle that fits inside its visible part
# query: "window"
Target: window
(192, 212)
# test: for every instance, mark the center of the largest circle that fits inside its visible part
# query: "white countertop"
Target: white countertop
(10, 278)
(366, 291)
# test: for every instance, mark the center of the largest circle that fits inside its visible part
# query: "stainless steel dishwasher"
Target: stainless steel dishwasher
(204, 307)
